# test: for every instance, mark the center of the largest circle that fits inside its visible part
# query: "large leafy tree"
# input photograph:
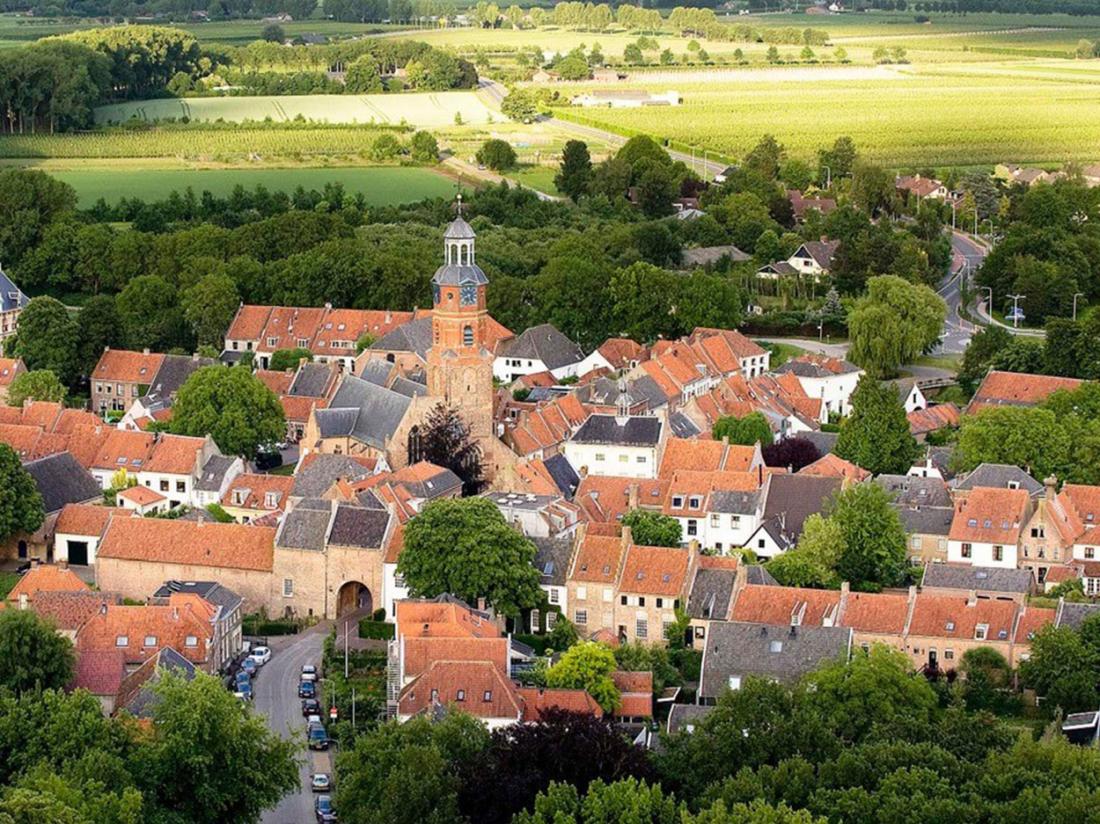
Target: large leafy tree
(1062, 668)
(209, 307)
(876, 434)
(97, 327)
(793, 453)
(39, 385)
(150, 314)
(21, 508)
(576, 169)
(32, 655)
(894, 323)
(29, 202)
(587, 666)
(1032, 438)
(751, 429)
(46, 339)
(814, 561)
(444, 440)
(283, 359)
(652, 528)
(873, 553)
(232, 406)
(465, 548)
(210, 760)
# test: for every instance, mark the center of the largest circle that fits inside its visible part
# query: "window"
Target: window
(551, 618)
(998, 553)
(624, 459)
(534, 620)
(239, 496)
(640, 459)
(302, 343)
(272, 342)
(607, 595)
(641, 628)
(435, 696)
(735, 682)
(399, 581)
(271, 499)
(467, 336)
(164, 486)
(191, 641)
(600, 457)
(623, 600)
(715, 521)
(582, 593)
(122, 641)
(981, 631)
(775, 646)
(660, 603)
(580, 616)
(288, 587)
(949, 655)
(735, 520)
(1037, 532)
(641, 600)
(150, 641)
(677, 501)
(181, 486)
(488, 696)
(693, 527)
(694, 502)
(555, 595)
(966, 550)
(914, 542)
(1090, 552)
(760, 544)
(460, 695)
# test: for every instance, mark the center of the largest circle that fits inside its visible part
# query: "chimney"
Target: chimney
(145, 351)
(63, 564)
(844, 588)
(103, 608)
(481, 605)
(195, 356)
(24, 602)
(1051, 486)
(972, 599)
(632, 496)
(328, 307)
(175, 613)
(389, 316)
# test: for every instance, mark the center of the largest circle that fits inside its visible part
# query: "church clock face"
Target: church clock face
(469, 295)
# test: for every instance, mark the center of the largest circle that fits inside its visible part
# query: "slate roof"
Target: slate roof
(926, 520)
(213, 473)
(707, 255)
(757, 574)
(10, 295)
(606, 429)
(543, 343)
(824, 441)
(210, 591)
(62, 480)
(815, 366)
(414, 336)
(314, 478)
(359, 527)
(711, 593)
(552, 556)
(910, 490)
(565, 477)
(682, 426)
(173, 372)
(311, 380)
(361, 410)
(734, 502)
(981, 579)
(1073, 615)
(409, 388)
(784, 654)
(305, 526)
(791, 499)
(684, 717)
(999, 476)
(136, 695)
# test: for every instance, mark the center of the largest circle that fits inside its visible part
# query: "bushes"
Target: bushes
(257, 624)
(377, 630)
(497, 154)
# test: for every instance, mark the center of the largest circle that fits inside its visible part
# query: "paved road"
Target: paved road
(967, 256)
(277, 698)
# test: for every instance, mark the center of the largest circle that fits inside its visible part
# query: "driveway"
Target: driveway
(276, 689)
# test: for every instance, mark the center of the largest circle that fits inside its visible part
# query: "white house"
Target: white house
(720, 510)
(628, 446)
(912, 398)
(541, 348)
(538, 516)
(987, 526)
(814, 257)
(79, 530)
(831, 379)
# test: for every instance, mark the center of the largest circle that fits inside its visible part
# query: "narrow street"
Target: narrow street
(276, 688)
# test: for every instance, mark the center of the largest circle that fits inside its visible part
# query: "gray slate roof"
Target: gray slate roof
(11, 297)
(317, 477)
(174, 371)
(409, 388)
(377, 371)
(62, 480)
(543, 343)
(805, 369)
(363, 411)
(414, 336)
(821, 251)
(791, 499)
(734, 502)
(606, 429)
(926, 520)
(552, 557)
(711, 593)
(311, 380)
(359, 527)
(684, 717)
(682, 426)
(909, 490)
(1073, 615)
(211, 591)
(706, 255)
(784, 654)
(441, 483)
(305, 526)
(564, 475)
(1001, 476)
(759, 575)
(824, 441)
(981, 579)
(136, 694)
(648, 390)
(213, 473)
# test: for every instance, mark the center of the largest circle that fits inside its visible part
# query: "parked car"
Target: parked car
(250, 666)
(242, 677)
(323, 807)
(317, 737)
(261, 655)
(307, 689)
(311, 706)
(244, 691)
(320, 783)
(309, 672)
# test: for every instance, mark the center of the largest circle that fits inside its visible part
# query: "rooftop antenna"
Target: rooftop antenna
(458, 206)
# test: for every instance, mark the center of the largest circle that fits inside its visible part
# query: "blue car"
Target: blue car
(244, 690)
(323, 808)
(249, 666)
(307, 689)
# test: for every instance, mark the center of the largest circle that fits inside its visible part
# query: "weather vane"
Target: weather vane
(458, 207)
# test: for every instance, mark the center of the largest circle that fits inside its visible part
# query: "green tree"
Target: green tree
(40, 385)
(1062, 669)
(766, 157)
(575, 173)
(521, 105)
(424, 147)
(29, 202)
(1032, 438)
(876, 434)
(586, 666)
(283, 359)
(46, 339)
(408, 773)
(97, 327)
(465, 547)
(150, 314)
(894, 323)
(363, 76)
(747, 431)
(562, 636)
(232, 406)
(273, 33)
(841, 158)
(657, 188)
(627, 800)
(652, 528)
(814, 561)
(874, 540)
(983, 349)
(20, 502)
(497, 154)
(209, 307)
(209, 760)
(32, 655)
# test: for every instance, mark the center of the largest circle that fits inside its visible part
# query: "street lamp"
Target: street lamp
(828, 176)
(1016, 310)
(953, 206)
(1075, 296)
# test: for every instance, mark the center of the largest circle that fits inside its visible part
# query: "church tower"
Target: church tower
(460, 367)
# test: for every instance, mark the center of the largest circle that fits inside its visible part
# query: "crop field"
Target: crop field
(428, 109)
(908, 116)
(382, 186)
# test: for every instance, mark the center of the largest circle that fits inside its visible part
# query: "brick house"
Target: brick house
(121, 377)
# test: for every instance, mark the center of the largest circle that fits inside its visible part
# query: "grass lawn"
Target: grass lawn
(536, 177)
(285, 469)
(8, 580)
(781, 352)
(952, 362)
(381, 185)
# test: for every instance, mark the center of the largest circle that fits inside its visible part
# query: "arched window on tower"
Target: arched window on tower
(414, 444)
(467, 336)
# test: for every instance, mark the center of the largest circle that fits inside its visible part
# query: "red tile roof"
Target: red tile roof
(193, 543)
(1031, 620)
(636, 693)
(83, 519)
(9, 368)
(873, 612)
(124, 450)
(606, 498)
(100, 672)
(254, 489)
(597, 559)
(277, 382)
(175, 455)
(706, 456)
(779, 606)
(952, 616)
(47, 578)
(923, 421)
(990, 515)
(833, 466)
(140, 631)
(620, 352)
(476, 687)
(1017, 389)
(127, 367)
(654, 570)
(141, 495)
(249, 322)
(537, 700)
(70, 610)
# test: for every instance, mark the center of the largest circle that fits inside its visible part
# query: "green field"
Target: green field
(900, 116)
(382, 186)
(428, 109)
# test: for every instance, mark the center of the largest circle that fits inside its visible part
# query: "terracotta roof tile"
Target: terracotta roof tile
(70, 610)
(654, 570)
(141, 495)
(777, 606)
(833, 466)
(875, 612)
(537, 700)
(140, 631)
(277, 382)
(598, 559)
(232, 546)
(990, 515)
(126, 366)
(249, 491)
(636, 693)
(1017, 389)
(620, 352)
(124, 450)
(249, 322)
(47, 578)
(951, 616)
(1031, 620)
(476, 687)
(100, 672)
(9, 368)
(83, 519)
(175, 455)
(923, 421)
(606, 498)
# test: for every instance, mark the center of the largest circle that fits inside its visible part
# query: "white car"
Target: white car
(261, 655)
(309, 672)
